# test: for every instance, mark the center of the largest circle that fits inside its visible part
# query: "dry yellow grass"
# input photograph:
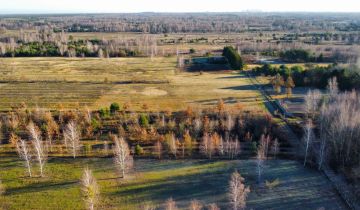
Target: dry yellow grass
(186, 89)
(72, 82)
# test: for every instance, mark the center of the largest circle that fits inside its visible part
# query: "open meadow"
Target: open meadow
(73, 82)
(154, 181)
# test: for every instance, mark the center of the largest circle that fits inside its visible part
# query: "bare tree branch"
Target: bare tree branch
(90, 189)
(122, 158)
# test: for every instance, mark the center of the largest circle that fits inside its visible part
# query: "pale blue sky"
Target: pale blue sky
(69, 6)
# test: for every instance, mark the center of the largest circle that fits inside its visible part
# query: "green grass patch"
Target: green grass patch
(155, 181)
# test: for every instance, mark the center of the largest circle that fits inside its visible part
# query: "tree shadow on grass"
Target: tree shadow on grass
(299, 187)
(10, 163)
(40, 186)
(145, 165)
(240, 87)
(209, 186)
(229, 100)
(232, 77)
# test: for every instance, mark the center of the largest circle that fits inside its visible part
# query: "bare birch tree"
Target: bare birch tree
(312, 100)
(260, 158)
(188, 143)
(170, 204)
(275, 147)
(333, 86)
(207, 146)
(182, 146)
(308, 138)
(122, 158)
(101, 53)
(228, 147)
(221, 147)
(72, 138)
(229, 123)
(195, 205)
(39, 147)
(213, 206)
(237, 191)
(158, 149)
(148, 206)
(172, 144)
(265, 142)
(339, 125)
(235, 148)
(90, 189)
(232, 148)
(324, 121)
(25, 154)
(197, 124)
(322, 153)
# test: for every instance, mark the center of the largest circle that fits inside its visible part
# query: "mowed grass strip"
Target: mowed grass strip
(85, 69)
(51, 95)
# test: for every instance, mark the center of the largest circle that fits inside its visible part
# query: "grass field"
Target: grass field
(156, 181)
(73, 82)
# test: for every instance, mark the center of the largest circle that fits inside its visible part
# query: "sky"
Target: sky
(120, 6)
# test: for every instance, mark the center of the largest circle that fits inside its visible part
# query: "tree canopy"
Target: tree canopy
(233, 58)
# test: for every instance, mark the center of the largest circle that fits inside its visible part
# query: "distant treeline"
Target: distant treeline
(73, 49)
(157, 23)
(44, 42)
(299, 55)
(347, 77)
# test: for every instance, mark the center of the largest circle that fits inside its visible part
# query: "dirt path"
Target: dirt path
(272, 108)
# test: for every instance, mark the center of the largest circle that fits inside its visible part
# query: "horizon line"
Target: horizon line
(2, 13)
